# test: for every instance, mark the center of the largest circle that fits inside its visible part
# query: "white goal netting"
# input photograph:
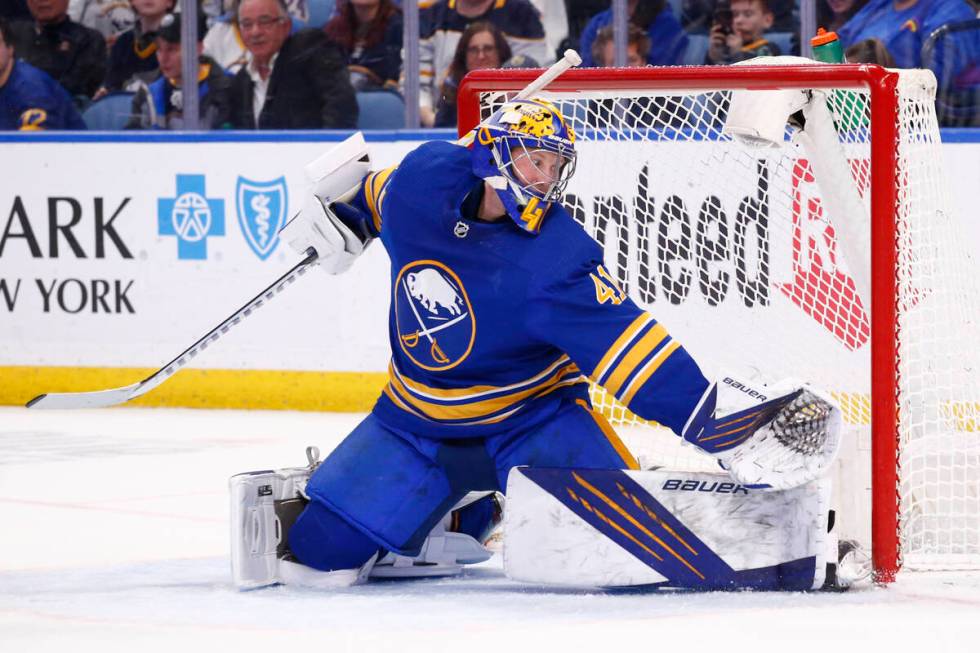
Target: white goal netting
(734, 248)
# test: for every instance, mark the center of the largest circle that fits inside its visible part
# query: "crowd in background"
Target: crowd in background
(303, 64)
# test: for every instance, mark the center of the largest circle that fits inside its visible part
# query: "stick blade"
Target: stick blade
(97, 399)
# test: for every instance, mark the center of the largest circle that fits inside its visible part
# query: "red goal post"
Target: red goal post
(885, 174)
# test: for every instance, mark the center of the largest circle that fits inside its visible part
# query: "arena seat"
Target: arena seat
(110, 112)
(380, 110)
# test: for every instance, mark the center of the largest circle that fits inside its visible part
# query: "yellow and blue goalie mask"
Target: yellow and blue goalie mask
(526, 152)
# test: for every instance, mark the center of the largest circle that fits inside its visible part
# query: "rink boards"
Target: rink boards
(117, 254)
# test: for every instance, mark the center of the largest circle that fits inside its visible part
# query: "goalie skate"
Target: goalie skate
(264, 505)
(443, 553)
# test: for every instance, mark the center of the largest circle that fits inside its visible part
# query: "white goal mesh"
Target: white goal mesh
(733, 247)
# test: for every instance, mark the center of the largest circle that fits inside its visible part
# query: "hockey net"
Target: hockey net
(733, 248)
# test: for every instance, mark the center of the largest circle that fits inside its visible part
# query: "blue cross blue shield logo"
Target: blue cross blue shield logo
(262, 208)
(191, 216)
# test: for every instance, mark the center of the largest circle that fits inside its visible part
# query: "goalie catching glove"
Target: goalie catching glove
(327, 225)
(777, 437)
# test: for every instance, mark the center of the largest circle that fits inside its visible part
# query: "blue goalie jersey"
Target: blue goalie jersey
(491, 326)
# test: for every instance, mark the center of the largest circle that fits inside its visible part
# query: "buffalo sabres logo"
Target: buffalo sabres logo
(433, 315)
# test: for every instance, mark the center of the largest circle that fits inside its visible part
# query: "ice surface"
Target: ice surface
(113, 537)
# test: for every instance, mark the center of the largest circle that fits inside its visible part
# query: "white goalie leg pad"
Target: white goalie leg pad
(258, 536)
(256, 532)
(443, 553)
(612, 528)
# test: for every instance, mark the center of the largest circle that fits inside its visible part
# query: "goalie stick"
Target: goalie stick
(104, 398)
(116, 396)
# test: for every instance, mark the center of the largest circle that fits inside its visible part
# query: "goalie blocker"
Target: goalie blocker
(611, 528)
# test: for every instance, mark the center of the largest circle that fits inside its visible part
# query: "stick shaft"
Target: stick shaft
(115, 396)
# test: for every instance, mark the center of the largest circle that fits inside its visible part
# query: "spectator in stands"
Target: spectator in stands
(289, 82)
(481, 46)
(903, 25)
(110, 18)
(29, 99)
(697, 16)
(441, 25)
(742, 38)
(833, 14)
(370, 34)
(74, 55)
(133, 55)
(224, 42)
(667, 39)
(160, 106)
(637, 47)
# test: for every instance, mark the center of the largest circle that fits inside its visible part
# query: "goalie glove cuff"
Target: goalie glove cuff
(316, 227)
(767, 436)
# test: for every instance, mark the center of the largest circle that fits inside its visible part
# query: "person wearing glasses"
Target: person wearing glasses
(441, 26)
(481, 46)
(288, 82)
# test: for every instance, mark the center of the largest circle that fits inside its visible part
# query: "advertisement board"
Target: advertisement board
(117, 254)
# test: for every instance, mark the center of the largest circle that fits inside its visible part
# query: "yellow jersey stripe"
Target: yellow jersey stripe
(498, 418)
(401, 404)
(472, 392)
(611, 435)
(479, 408)
(648, 370)
(369, 197)
(562, 384)
(372, 189)
(633, 357)
(624, 339)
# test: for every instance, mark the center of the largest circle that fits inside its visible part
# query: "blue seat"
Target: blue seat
(320, 12)
(109, 113)
(380, 110)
